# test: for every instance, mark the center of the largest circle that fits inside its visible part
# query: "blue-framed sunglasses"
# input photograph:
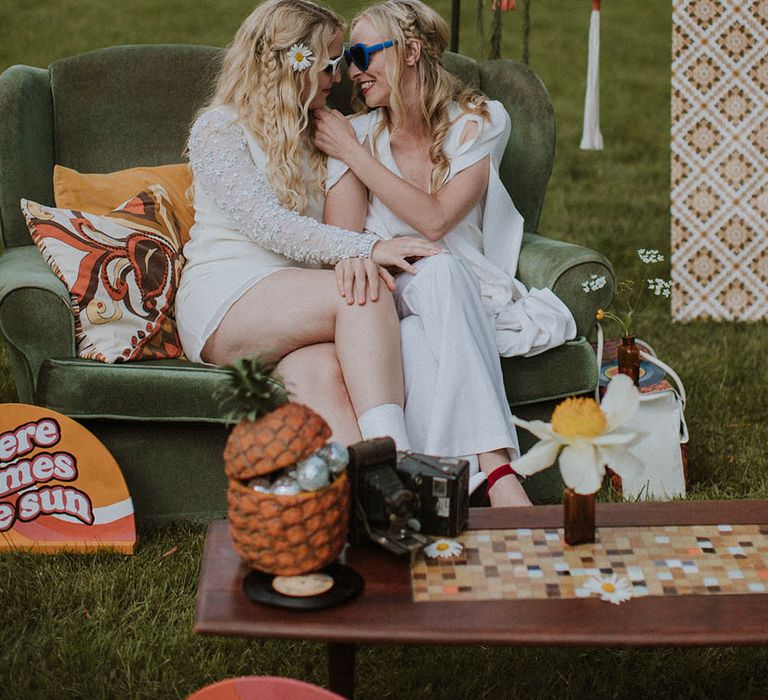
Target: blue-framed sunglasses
(334, 65)
(360, 54)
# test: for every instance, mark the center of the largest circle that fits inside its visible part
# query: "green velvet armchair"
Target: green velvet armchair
(127, 106)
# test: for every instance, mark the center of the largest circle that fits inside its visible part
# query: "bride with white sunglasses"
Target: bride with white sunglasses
(252, 283)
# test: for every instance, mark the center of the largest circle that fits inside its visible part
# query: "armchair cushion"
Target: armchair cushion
(152, 391)
(101, 193)
(567, 370)
(141, 101)
(121, 270)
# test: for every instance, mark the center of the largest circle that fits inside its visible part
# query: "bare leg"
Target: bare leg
(313, 377)
(293, 308)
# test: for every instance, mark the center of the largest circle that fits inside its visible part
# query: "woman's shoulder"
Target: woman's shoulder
(496, 121)
(472, 135)
(219, 118)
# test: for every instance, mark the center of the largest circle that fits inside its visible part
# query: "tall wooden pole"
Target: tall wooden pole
(455, 17)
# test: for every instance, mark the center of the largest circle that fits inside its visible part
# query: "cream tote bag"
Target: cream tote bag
(661, 418)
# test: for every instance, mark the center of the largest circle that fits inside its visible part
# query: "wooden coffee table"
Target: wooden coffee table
(385, 611)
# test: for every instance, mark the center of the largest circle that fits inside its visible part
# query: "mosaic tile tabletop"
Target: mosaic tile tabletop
(657, 561)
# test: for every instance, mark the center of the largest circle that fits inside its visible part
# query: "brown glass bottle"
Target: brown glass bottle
(629, 358)
(579, 517)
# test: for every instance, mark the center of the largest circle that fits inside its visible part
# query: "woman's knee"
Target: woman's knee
(314, 368)
(436, 271)
(439, 279)
(445, 266)
(382, 308)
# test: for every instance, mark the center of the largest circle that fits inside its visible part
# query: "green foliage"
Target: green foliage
(252, 391)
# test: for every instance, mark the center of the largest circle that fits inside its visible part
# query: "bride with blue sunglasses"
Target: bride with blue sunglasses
(252, 283)
(421, 158)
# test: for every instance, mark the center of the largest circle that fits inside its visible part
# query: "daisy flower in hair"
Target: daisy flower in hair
(300, 57)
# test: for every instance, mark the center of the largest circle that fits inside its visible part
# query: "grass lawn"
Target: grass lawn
(111, 626)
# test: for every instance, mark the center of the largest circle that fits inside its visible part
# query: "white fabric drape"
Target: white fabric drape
(591, 138)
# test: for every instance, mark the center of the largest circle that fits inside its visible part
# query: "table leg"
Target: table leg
(341, 668)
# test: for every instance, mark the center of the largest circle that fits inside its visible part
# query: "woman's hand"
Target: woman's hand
(334, 135)
(396, 252)
(357, 279)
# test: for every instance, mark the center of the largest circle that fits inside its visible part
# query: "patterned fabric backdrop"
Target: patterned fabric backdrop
(720, 159)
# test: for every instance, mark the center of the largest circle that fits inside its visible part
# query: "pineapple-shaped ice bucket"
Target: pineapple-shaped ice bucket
(286, 535)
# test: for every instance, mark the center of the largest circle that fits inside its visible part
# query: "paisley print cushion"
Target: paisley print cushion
(122, 270)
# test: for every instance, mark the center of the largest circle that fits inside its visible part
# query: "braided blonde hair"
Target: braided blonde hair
(258, 81)
(404, 20)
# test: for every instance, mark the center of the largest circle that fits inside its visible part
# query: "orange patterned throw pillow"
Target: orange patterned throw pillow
(122, 270)
(100, 193)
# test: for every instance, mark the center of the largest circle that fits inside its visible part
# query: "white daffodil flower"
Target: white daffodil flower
(300, 57)
(591, 437)
(443, 549)
(615, 589)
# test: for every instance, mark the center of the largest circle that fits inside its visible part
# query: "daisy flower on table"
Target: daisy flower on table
(590, 435)
(300, 57)
(615, 589)
(443, 549)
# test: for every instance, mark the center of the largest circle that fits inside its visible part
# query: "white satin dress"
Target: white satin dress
(462, 310)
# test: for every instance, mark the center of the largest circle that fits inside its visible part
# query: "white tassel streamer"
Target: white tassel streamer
(591, 138)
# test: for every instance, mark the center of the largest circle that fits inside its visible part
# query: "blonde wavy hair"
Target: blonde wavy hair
(405, 20)
(257, 80)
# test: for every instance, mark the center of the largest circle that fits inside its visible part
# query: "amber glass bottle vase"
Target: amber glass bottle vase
(629, 358)
(579, 517)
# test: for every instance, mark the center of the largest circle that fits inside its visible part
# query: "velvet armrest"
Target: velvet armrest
(36, 318)
(562, 267)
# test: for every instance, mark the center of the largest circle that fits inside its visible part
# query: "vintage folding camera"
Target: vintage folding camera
(400, 497)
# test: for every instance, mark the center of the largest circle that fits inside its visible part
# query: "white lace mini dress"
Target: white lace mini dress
(241, 232)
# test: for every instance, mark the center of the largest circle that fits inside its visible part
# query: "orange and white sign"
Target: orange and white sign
(60, 488)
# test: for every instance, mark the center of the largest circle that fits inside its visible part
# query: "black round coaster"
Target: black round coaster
(347, 583)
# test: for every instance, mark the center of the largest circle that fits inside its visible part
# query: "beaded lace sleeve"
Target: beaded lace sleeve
(223, 167)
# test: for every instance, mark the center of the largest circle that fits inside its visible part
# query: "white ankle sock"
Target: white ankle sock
(385, 419)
